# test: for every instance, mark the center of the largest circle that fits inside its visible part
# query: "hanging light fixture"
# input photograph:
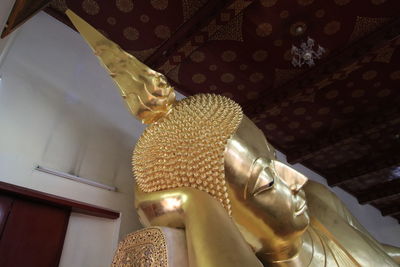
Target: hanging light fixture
(306, 53)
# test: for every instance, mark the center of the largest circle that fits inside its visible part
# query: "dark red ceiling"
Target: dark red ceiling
(340, 118)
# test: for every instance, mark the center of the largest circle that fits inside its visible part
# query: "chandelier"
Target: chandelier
(306, 54)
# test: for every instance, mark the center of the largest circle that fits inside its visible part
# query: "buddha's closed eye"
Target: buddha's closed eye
(262, 177)
(265, 181)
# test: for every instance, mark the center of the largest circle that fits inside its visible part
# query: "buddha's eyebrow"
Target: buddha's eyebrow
(251, 182)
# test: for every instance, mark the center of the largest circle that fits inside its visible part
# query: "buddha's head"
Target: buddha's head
(206, 142)
(266, 196)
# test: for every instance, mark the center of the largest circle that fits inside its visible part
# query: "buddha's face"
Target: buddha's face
(267, 202)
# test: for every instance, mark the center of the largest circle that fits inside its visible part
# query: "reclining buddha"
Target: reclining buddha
(210, 191)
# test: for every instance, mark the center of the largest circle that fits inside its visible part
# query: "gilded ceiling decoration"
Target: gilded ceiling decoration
(190, 7)
(205, 33)
(22, 10)
(59, 5)
(366, 25)
(230, 31)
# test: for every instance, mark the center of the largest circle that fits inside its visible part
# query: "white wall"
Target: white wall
(59, 109)
(78, 248)
(384, 229)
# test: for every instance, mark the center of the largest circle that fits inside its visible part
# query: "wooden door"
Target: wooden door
(33, 233)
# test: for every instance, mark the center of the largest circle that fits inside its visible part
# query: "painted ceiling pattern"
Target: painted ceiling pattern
(140, 27)
(340, 118)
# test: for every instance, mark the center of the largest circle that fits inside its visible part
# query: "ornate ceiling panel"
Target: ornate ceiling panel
(140, 27)
(254, 54)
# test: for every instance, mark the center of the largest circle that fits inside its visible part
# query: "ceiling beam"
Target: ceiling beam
(380, 191)
(391, 210)
(370, 164)
(21, 12)
(341, 136)
(326, 68)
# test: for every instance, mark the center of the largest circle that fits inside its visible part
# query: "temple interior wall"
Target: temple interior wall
(59, 109)
(53, 113)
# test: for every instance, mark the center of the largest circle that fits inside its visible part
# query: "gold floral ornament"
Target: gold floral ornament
(264, 29)
(332, 27)
(268, 3)
(146, 247)
(159, 4)
(146, 92)
(124, 5)
(91, 7)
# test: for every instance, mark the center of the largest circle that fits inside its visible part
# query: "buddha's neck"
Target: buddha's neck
(298, 253)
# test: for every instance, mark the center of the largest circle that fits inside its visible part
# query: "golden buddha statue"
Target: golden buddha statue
(208, 180)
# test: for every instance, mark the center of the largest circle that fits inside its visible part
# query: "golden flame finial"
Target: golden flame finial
(147, 93)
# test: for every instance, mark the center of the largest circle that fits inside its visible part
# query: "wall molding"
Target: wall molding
(69, 204)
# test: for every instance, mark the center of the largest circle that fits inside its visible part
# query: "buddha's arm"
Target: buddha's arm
(212, 237)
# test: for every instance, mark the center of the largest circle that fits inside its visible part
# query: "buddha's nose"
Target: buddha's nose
(297, 190)
(301, 180)
(294, 179)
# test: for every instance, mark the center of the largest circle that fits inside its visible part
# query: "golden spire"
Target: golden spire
(145, 91)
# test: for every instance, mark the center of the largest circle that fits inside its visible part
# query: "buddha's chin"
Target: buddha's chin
(302, 220)
(300, 223)
(301, 210)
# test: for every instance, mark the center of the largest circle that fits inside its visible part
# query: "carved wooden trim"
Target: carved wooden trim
(72, 205)
(381, 191)
(352, 169)
(390, 211)
(357, 130)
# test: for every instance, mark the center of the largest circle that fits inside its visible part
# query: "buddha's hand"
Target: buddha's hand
(174, 206)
